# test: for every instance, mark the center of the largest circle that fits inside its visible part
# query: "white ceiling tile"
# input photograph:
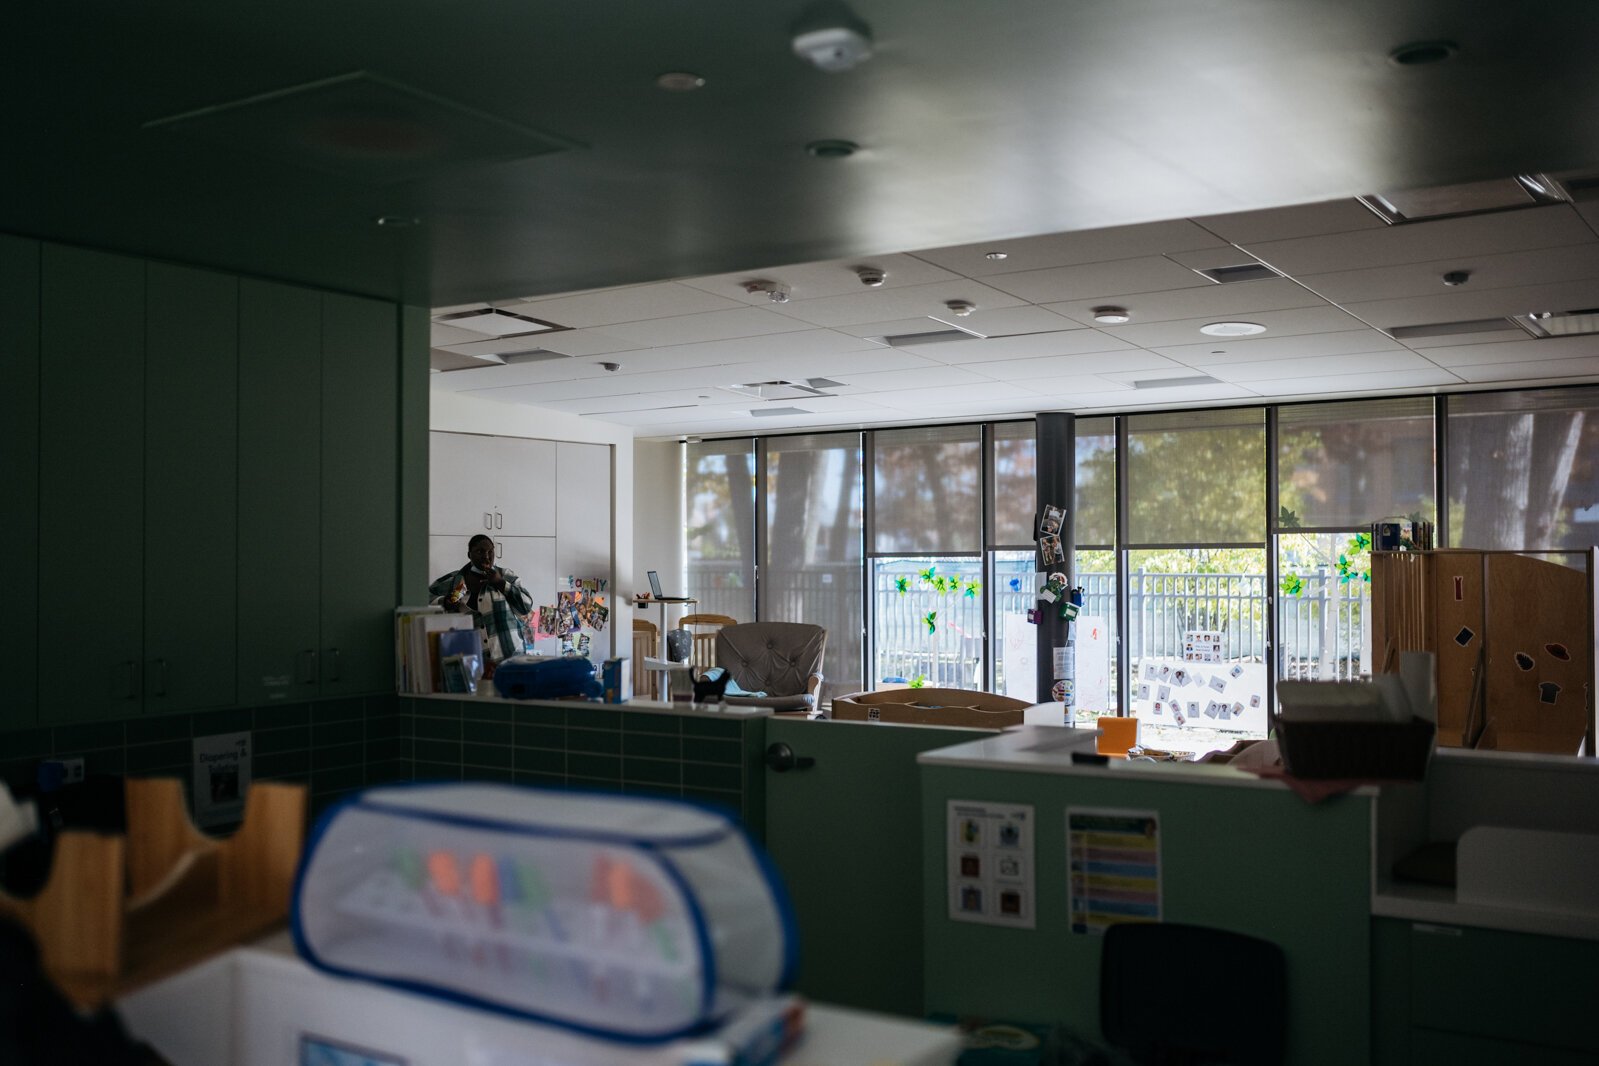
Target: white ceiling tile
(1525, 349)
(1542, 266)
(837, 277)
(840, 366)
(706, 326)
(936, 374)
(1215, 351)
(1067, 342)
(1011, 321)
(897, 326)
(581, 342)
(1459, 305)
(1323, 366)
(1455, 340)
(587, 405)
(681, 420)
(440, 335)
(1072, 365)
(1423, 242)
(796, 345)
(1174, 396)
(1586, 368)
(1211, 300)
(1343, 384)
(876, 305)
(494, 375)
(1153, 273)
(632, 304)
(1075, 385)
(909, 399)
(1322, 319)
(1285, 223)
(1070, 249)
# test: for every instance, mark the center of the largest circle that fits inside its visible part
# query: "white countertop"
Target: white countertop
(1045, 749)
(695, 710)
(1436, 905)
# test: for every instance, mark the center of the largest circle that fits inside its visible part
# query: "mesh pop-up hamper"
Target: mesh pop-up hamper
(636, 919)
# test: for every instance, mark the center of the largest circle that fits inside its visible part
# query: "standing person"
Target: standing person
(494, 596)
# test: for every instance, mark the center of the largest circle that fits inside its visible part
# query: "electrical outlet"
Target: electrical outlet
(74, 771)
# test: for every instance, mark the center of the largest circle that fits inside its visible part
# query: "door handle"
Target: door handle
(499, 549)
(334, 653)
(308, 662)
(780, 758)
(488, 520)
(499, 520)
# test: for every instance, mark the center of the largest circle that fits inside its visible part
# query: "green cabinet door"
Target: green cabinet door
(191, 489)
(19, 458)
(91, 475)
(280, 414)
(360, 494)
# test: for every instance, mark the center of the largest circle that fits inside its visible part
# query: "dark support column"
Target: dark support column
(1057, 478)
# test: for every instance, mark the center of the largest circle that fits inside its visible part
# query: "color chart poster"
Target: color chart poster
(1113, 867)
(990, 857)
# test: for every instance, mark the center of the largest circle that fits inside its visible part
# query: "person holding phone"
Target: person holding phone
(493, 595)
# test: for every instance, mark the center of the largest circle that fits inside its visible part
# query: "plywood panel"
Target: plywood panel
(1457, 601)
(1538, 651)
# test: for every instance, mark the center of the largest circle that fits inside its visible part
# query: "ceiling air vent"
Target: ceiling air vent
(1448, 329)
(778, 390)
(1543, 324)
(1474, 198)
(1175, 383)
(777, 412)
(1243, 272)
(494, 322)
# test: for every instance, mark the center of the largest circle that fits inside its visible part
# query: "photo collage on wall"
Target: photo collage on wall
(579, 610)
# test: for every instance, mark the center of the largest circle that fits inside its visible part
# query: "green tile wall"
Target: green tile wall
(333, 746)
(710, 760)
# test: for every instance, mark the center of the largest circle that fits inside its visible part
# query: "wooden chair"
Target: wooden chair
(704, 627)
(646, 642)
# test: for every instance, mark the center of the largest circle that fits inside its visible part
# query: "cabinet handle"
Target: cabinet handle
(161, 673)
(308, 660)
(334, 652)
(499, 549)
(499, 520)
(488, 520)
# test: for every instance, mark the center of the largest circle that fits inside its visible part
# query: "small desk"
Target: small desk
(665, 602)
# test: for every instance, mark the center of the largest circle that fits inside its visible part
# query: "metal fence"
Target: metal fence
(1323, 631)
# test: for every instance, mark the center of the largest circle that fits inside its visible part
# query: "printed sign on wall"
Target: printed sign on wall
(1112, 867)
(989, 849)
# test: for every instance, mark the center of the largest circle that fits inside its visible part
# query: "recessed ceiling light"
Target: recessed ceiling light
(1420, 53)
(679, 81)
(1232, 329)
(996, 256)
(831, 149)
(1111, 316)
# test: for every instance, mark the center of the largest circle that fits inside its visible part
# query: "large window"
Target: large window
(811, 562)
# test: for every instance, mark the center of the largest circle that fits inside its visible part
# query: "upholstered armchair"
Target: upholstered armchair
(781, 659)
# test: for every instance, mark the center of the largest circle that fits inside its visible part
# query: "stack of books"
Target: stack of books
(435, 651)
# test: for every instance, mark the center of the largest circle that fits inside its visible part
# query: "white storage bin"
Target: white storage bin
(636, 919)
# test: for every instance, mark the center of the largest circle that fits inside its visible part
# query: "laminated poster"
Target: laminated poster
(989, 855)
(1113, 867)
(221, 778)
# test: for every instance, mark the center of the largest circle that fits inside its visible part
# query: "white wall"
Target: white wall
(452, 412)
(658, 503)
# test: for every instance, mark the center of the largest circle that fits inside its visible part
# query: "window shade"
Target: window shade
(1015, 484)
(1345, 465)
(924, 490)
(1197, 477)
(719, 526)
(1524, 469)
(1096, 482)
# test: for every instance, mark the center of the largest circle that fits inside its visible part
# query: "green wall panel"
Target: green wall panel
(846, 835)
(91, 479)
(1253, 860)
(19, 457)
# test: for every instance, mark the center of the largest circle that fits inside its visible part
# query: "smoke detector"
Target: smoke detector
(960, 308)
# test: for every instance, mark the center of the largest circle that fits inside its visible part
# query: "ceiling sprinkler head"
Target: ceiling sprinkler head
(960, 308)
(775, 291)
(610, 368)
(1457, 277)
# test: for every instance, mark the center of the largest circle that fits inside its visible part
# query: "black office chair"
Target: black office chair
(1161, 987)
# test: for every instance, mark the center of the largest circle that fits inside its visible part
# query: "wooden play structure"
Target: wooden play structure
(120, 911)
(1514, 638)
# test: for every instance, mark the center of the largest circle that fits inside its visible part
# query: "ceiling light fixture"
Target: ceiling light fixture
(1420, 53)
(1232, 329)
(679, 81)
(960, 308)
(396, 221)
(1111, 316)
(832, 149)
